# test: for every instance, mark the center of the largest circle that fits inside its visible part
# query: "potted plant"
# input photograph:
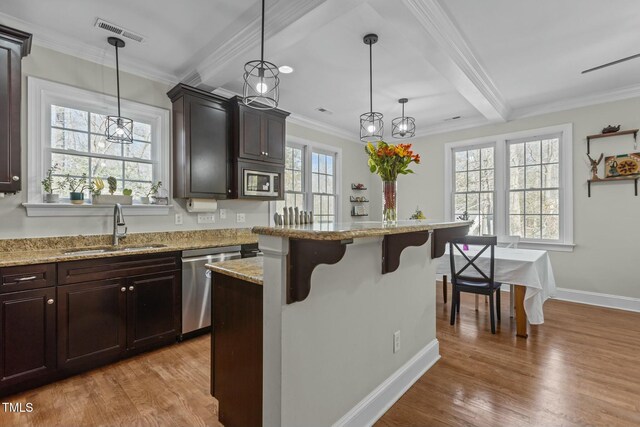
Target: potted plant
(110, 199)
(48, 186)
(153, 190)
(77, 186)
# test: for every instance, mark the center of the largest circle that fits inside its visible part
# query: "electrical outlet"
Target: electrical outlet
(223, 214)
(206, 218)
(240, 217)
(396, 341)
(178, 219)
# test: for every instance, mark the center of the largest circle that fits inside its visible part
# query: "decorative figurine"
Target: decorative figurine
(611, 129)
(594, 166)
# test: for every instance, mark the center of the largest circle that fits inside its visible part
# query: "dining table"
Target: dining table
(528, 271)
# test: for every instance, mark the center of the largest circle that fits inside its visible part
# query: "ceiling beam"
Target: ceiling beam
(220, 64)
(456, 61)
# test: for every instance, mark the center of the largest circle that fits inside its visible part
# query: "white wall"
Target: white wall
(54, 66)
(605, 230)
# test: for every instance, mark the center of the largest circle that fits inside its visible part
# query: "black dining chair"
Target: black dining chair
(480, 282)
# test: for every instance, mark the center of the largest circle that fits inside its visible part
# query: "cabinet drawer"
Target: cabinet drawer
(25, 277)
(117, 267)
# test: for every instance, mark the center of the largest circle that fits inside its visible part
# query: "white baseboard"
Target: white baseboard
(372, 407)
(601, 300)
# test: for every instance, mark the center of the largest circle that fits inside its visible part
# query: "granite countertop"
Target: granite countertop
(247, 269)
(30, 251)
(340, 231)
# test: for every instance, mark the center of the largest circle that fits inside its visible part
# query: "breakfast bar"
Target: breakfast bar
(347, 310)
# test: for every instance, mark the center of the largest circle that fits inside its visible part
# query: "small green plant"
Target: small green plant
(153, 190)
(47, 183)
(77, 185)
(113, 184)
(127, 192)
(97, 186)
(418, 214)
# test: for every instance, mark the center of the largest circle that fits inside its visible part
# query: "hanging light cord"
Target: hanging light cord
(262, 39)
(403, 111)
(370, 77)
(118, 79)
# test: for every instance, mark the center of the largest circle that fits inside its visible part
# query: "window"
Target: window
(324, 190)
(474, 187)
(310, 181)
(534, 188)
(78, 146)
(515, 184)
(66, 127)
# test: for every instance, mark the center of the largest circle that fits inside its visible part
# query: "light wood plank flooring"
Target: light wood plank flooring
(166, 387)
(580, 368)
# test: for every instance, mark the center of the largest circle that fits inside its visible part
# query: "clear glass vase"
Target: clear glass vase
(389, 202)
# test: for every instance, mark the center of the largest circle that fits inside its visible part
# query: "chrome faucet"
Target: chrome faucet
(118, 221)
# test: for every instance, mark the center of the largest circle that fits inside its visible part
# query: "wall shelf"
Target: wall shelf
(633, 132)
(633, 178)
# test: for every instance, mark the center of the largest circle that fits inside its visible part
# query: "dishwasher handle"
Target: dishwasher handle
(213, 258)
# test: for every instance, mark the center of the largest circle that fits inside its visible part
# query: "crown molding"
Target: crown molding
(58, 42)
(483, 93)
(453, 125)
(632, 91)
(281, 15)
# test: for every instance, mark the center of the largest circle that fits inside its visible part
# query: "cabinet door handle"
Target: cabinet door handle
(123, 289)
(131, 288)
(16, 178)
(26, 279)
(50, 301)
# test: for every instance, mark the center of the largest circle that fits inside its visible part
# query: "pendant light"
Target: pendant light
(261, 81)
(371, 125)
(119, 129)
(403, 127)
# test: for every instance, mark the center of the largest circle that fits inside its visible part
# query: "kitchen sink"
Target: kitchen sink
(105, 249)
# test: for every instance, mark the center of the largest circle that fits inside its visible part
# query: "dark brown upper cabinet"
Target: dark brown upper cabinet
(201, 144)
(258, 135)
(14, 45)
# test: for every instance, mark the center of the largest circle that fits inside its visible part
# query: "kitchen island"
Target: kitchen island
(347, 317)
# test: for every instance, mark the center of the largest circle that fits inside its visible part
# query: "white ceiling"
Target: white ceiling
(486, 61)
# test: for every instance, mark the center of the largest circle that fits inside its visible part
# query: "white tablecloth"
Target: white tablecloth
(526, 267)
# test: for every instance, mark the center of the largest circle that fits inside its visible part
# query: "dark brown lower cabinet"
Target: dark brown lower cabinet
(91, 323)
(236, 351)
(103, 321)
(153, 307)
(27, 336)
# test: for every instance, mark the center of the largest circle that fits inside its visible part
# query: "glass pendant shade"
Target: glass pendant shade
(371, 127)
(403, 127)
(119, 129)
(261, 85)
(261, 89)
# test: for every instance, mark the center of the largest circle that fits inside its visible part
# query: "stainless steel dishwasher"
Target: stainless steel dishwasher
(196, 286)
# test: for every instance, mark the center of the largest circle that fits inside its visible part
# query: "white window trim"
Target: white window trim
(565, 242)
(40, 94)
(308, 147)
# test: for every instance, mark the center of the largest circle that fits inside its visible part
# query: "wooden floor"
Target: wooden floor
(582, 367)
(167, 387)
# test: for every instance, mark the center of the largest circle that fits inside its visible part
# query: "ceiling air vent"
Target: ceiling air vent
(324, 110)
(117, 29)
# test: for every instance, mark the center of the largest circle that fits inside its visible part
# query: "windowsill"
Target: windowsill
(68, 209)
(547, 246)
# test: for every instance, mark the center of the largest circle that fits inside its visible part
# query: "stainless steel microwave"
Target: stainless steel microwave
(260, 183)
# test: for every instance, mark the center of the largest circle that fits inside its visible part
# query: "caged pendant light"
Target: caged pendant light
(261, 82)
(119, 129)
(371, 124)
(403, 127)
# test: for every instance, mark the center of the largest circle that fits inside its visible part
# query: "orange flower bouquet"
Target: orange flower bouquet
(389, 161)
